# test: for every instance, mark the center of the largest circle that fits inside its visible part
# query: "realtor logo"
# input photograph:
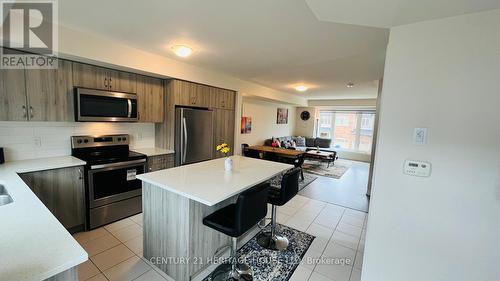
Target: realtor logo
(29, 34)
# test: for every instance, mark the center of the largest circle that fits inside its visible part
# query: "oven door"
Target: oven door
(114, 182)
(96, 105)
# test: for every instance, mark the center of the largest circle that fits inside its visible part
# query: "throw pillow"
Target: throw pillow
(300, 141)
(323, 143)
(310, 142)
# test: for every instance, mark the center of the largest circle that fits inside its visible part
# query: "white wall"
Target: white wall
(305, 127)
(443, 75)
(264, 121)
(28, 140)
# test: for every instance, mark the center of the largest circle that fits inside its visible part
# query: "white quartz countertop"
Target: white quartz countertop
(33, 244)
(208, 183)
(153, 151)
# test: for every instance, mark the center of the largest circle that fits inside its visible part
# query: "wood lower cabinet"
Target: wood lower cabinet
(150, 96)
(224, 121)
(50, 93)
(62, 192)
(161, 162)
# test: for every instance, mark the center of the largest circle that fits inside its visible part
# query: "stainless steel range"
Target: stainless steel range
(112, 191)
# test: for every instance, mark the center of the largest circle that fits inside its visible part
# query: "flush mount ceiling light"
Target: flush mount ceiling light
(301, 88)
(182, 51)
(350, 85)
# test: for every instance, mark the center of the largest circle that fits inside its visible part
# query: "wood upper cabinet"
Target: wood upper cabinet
(150, 99)
(62, 192)
(95, 77)
(122, 81)
(13, 95)
(222, 98)
(50, 93)
(191, 94)
(224, 121)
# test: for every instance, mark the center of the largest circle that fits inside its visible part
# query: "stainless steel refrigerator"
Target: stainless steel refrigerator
(193, 135)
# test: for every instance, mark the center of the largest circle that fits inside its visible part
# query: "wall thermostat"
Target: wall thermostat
(417, 168)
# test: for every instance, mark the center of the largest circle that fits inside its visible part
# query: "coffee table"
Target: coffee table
(322, 156)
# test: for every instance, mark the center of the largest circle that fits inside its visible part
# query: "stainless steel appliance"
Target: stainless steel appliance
(193, 135)
(111, 190)
(97, 105)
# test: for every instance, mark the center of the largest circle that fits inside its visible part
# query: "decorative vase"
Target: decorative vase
(228, 164)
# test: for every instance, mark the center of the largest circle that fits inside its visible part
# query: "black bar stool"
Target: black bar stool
(279, 197)
(234, 220)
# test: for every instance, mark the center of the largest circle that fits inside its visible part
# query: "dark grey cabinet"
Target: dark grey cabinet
(62, 192)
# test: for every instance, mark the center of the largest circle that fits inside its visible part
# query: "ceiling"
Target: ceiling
(274, 43)
(390, 13)
(324, 44)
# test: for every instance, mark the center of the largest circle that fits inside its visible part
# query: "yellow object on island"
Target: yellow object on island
(223, 148)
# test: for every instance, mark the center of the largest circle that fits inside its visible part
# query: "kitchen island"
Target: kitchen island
(176, 200)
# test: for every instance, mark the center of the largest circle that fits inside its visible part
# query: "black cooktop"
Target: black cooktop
(106, 155)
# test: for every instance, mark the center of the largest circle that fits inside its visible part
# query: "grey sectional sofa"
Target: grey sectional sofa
(310, 143)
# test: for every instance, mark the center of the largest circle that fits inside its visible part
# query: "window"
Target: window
(351, 131)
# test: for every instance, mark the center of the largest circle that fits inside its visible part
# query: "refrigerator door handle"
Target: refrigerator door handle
(184, 151)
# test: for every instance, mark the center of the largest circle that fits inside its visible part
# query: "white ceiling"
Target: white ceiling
(390, 13)
(274, 43)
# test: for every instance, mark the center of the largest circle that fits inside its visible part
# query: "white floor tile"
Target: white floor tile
(355, 213)
(310, 259)
(101, 244)
(358, 262)
(282, 218)
(355, 275)
(352, 220)
(87, 236)
(315, 276)
(333, 210)
(345, 240)
(333, 271)
(318, 244)
(320, 231)
(112, 257)
(343, 254)
(118, 224)
(151, 275)
(127, 270)
(87, 270)
(327, 220)
(128, 232)
(135, 244)
(286, 210)
(137, 218)
(350, 229)
(300, 274)
(298, 223)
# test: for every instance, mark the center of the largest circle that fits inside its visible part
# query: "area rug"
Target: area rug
(275, 265)
(335, 171)
(308, 178)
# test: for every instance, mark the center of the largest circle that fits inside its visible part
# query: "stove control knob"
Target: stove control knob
(86, 141)
(119, 139)
(124, 139)
(79, 141)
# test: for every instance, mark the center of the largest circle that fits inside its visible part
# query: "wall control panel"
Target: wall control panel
(417, 168)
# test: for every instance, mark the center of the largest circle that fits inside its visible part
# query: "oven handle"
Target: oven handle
(117, 164)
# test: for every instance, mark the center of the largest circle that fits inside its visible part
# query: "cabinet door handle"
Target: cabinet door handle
(80, 174)
(25, 114)
(31, 112)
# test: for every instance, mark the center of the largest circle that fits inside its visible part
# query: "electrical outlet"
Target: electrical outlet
(37, 141)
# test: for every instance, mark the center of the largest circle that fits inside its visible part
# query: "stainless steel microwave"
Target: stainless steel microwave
(105, 106)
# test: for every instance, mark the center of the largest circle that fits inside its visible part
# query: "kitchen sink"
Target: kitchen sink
(4, 196)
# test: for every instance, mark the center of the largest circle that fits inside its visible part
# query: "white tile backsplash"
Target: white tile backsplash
(28, 140)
